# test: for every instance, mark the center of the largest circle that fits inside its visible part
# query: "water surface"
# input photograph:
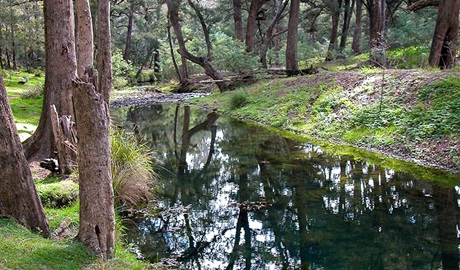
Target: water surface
(232, 195)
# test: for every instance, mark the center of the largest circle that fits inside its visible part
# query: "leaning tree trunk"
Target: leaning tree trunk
(444, 44)
(97, 217)
(18, 196)
(61, 68)
(204, 61)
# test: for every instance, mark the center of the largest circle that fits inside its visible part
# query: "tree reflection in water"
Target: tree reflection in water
(236, 196)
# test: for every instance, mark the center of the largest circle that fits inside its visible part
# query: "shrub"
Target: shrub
(238, 99)
(131, 169)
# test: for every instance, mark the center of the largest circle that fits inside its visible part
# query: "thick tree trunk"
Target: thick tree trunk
(97, 217)
(291, 46)
(18, 196)
(256, 5)
(357, 33)
(66, 141)
(444, 44)
(238, 21)
(61, 68)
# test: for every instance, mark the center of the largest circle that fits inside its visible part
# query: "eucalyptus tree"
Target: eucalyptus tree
(91, 97)
(292, 36)
(376, 10)
(61, 68)
(18, 197)
(444, 42)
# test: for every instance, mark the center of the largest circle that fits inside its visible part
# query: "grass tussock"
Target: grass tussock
(132, 169)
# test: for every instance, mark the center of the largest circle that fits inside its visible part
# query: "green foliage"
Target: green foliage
(409, 57)
(121, 70)
(230, 55)
(131, 169)
(437, 112)
(58, 194)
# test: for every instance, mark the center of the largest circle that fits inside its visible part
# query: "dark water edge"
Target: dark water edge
(233, 195)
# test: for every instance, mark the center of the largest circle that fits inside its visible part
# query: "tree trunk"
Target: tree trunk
(85, 51)
(256, 5)
(204, 62)
(129, 33)
(61, 68)
(66, 141)
(357, 33)
(346, 23)
(332, 49)
(104, 50)
(97, 217)
(377, 46)
(271, 33)
(444, 44)
(238, 21)
(18, 196)
(291, 46)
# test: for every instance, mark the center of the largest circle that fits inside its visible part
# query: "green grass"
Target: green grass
(26, 111)
(398, 112)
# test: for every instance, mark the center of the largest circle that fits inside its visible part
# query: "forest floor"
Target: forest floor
(412, 115)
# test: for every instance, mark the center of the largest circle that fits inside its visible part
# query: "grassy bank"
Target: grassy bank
(413, 115)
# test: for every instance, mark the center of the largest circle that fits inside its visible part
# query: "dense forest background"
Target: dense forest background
(143, 41)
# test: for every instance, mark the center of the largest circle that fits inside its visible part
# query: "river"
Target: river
(234, 195)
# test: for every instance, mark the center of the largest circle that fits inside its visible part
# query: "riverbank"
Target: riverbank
(407, 114)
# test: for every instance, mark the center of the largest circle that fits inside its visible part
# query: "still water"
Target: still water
(232, 195)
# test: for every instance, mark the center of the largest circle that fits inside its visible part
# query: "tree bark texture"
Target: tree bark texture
(291, 46)
(61, 68)
(18, 196)
(97, 217)
(104, 50)
(85, 51)
(66, 141)
(444, 44)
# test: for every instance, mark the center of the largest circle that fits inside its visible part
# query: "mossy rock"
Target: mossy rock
(58, 194)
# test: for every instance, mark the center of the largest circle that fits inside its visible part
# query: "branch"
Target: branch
(423, 4)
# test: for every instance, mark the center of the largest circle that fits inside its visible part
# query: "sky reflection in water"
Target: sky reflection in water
(236, 196)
